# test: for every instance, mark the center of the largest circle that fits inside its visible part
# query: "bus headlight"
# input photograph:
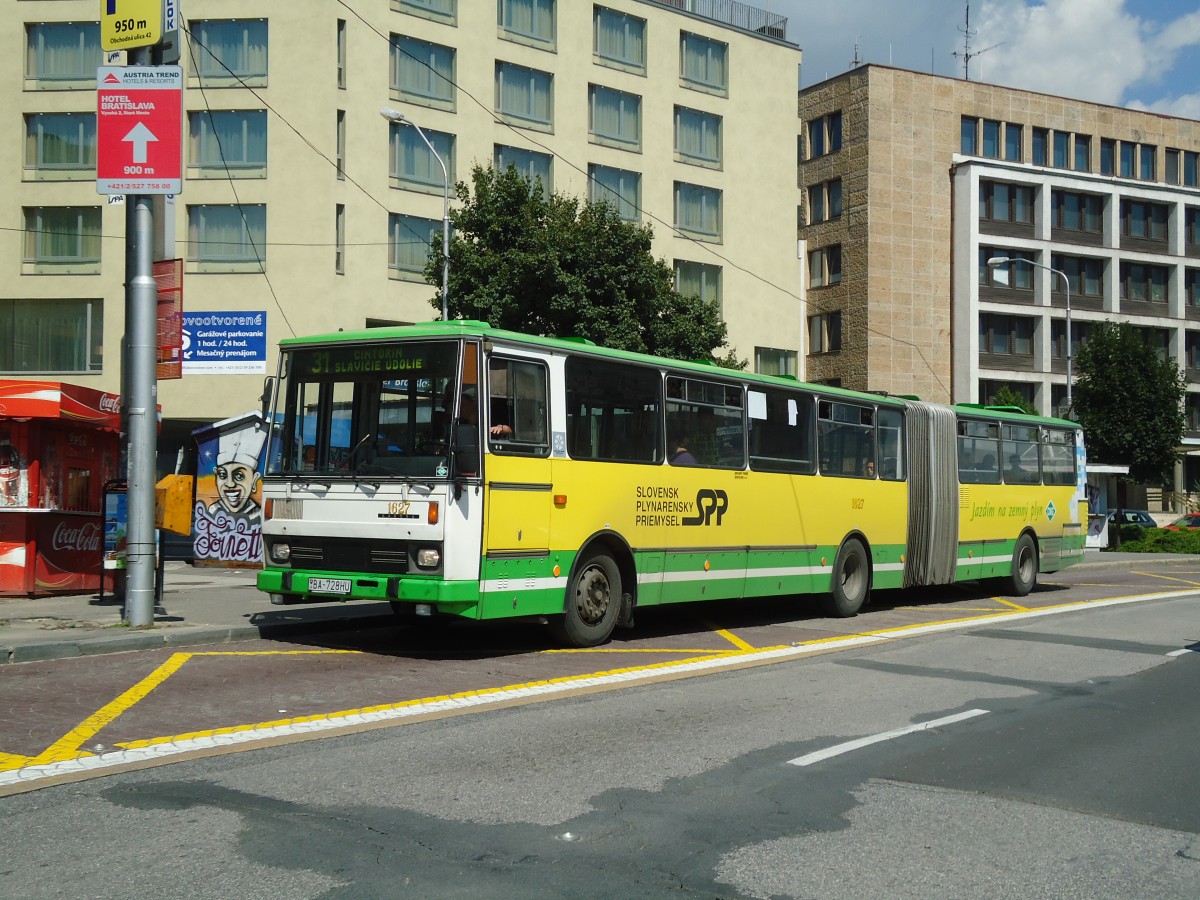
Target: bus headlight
(428, 557)
(281, 553)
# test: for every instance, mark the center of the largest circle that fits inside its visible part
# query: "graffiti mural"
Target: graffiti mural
(227, 516)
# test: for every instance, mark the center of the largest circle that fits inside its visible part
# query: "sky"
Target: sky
(1143, 54)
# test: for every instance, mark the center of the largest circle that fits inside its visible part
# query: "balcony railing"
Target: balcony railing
(738, 15)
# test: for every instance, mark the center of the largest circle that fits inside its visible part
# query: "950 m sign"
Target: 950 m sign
(127, 24)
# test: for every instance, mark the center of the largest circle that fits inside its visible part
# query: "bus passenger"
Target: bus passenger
(681, 456)
(869, 468)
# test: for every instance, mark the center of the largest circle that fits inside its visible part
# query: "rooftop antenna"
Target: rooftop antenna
(966, 54)
(856, 62)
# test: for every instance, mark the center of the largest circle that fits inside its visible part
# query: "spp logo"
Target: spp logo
(709, 502)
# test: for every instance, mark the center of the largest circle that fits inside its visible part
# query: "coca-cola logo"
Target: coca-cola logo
(76, 539)
(110, 403)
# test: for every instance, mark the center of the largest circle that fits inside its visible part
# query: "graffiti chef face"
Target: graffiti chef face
(235, 485)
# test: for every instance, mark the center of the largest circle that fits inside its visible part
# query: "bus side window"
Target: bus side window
(519, 407)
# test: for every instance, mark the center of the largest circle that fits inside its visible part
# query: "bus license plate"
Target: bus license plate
(329, 585)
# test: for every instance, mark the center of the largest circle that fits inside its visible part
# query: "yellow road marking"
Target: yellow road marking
(1016, 606)
(572, 650)
(729, 636)
(1169, 578)
(68, 746)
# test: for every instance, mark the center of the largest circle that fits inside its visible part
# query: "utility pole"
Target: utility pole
(966, 54)
(139, 129)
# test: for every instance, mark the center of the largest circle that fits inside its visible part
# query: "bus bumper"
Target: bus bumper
(292, 586)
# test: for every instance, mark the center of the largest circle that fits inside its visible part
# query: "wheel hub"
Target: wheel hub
(592, 596)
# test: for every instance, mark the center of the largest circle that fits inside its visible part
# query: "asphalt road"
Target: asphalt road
(1063, 767)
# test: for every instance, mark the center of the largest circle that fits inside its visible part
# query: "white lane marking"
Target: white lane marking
(838, 749)
(1184, 651)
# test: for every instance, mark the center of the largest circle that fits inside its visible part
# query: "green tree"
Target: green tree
(550, 265)
(1006, 396)
(1129, 401)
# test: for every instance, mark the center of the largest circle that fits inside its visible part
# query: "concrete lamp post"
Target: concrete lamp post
(1004, 260)
(399, 118)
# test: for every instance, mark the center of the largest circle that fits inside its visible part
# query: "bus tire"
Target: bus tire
(1023, 575)
(850, 582)
(593, 603)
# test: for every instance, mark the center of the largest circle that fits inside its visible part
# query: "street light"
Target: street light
(399, 118)
(1002, 260)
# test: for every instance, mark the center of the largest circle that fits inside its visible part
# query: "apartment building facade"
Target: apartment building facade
(305, 211)
(921, 180)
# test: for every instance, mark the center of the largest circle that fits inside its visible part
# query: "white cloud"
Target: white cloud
(1086, 49)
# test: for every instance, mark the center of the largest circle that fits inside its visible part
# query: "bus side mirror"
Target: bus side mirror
(267, 395)
(466, 449)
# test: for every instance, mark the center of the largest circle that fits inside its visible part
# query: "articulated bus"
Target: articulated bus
(454, 469)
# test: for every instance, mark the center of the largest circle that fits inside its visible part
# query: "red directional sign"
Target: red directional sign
(139, 130)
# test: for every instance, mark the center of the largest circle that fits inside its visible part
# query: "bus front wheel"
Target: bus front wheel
(850, 582)
(1021, 579)
(593, 603)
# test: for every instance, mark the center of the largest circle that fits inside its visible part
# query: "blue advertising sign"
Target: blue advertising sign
(225, 342)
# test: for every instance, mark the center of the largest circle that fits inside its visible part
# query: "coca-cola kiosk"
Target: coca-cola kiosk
(59, 444)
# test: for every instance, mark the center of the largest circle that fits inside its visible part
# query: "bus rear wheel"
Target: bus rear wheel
(850, 582)
(593, 603)
(1023, 576)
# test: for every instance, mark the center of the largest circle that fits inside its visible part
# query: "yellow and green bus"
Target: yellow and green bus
(454, 469)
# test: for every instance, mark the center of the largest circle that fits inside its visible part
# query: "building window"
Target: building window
(1083, 153)
(619, 38)
(969, 136)
(1082, 213)
(340, 138)
(1011, 275)
(1108, 156)
(1085, 276)
(60, 142)
(63, 54)
(58, 237)
(339, 238)
(825, 266)
(825, 135)
(989, 389)
(700, 280)
(1080, 333)
(780, 363)
(525, 94)
(1181, 167)
(409, 241)
(1192, 349)
(1191, 282)
(825, 201)
(825, 333)
(614, 117)
(231, 52)
(341, 53)
(1142, 220)
(620, 187)
(1147, 170)
(1143, 283)
(413, 167)
(1041, 140)
(702, 62)
(229, 237)
(697, 137)
(1061, 141)
(228, 142)
(1191, 226)
(47, 337)
(1006, 335)
(439, 10)
(530, 164)
(1128, 154)
(422, 72)
(698, 210)
(1158, 340)
(529, 21)
(1012, 141)
(1000, 202)
(991, 139)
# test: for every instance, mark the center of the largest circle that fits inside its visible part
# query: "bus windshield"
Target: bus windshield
(369, 409)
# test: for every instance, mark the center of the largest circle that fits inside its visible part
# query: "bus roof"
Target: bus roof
(468, 328)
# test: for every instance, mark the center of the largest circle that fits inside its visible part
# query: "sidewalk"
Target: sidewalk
(199, 606)
(213, 606)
